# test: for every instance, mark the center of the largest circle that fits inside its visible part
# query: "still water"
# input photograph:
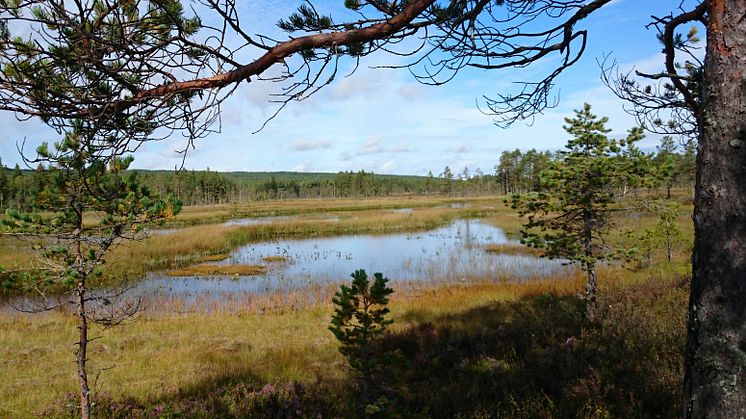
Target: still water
(449, 254)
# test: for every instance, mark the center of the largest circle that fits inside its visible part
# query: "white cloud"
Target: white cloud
(308, 145)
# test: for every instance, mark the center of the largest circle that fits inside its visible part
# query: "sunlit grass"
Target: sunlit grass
(218, 270)
(177, 347)
(268, 338)
(213, 258)
(274, 259)
(132, 260)
(310, 207)
(163, 353)
(512, 249)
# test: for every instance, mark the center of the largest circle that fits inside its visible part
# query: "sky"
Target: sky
(384, 121)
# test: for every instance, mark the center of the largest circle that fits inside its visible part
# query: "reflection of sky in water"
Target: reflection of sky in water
(452, 253)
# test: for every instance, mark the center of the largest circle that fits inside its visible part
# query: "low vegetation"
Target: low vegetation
(275, 259)
(476, 349)
(519, 350)
(184, 247)
(218, 270)
(515, 249)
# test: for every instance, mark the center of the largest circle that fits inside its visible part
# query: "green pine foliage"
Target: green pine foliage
(571, 216)
(80, 183)
(359, 318)
(665, 234)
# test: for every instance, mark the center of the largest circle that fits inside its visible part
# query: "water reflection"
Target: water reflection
(451, 254)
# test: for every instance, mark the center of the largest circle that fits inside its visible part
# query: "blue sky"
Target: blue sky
(384, 121)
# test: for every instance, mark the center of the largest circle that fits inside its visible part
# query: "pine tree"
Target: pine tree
(359, 319)
(665, 163)
(571, 217)
(71, 253)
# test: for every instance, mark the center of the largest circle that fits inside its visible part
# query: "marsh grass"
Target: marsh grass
(273, 338)
(200, 242)
(189, 245)
(521, 350)
(275, 259)
(475, 349)
(218, 270)
(512, 249)
(213, 258)
(311, 207)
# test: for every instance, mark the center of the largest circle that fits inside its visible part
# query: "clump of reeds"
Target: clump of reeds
(214, 258)
(275, 259)
(516, 249)
(218, 270)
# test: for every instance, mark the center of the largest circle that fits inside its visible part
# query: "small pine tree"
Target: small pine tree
(71, 252)
(667, 228)
(359, 318)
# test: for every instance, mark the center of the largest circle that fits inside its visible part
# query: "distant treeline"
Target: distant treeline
(25, 189)
(671, 167)
(206, 187)
(516, 171)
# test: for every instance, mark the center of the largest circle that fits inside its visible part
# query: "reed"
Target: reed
(213, 258)
(218, 270)
(181, 349)
(275, 259)
(512, 249)
(130, 261)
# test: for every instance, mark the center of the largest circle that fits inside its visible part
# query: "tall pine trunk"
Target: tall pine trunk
(715, 378)
(81, 356)
(591, 283)
(82, 353)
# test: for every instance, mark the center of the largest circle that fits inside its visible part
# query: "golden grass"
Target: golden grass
(188, 245)
(218, 270)
(163, 353)
(216, 213)
(214, 258)
(275, 259)
(272, 338)
(512, 249)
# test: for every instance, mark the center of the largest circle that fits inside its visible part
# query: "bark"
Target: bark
(285, 49)
(591, 283)
(590, 293)
(715, 376)
(81, 356)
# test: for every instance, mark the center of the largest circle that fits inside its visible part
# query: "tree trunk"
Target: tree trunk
(591, 283)
(715, 376)
(82, 354)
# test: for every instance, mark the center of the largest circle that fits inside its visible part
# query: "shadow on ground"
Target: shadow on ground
(535, 357)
